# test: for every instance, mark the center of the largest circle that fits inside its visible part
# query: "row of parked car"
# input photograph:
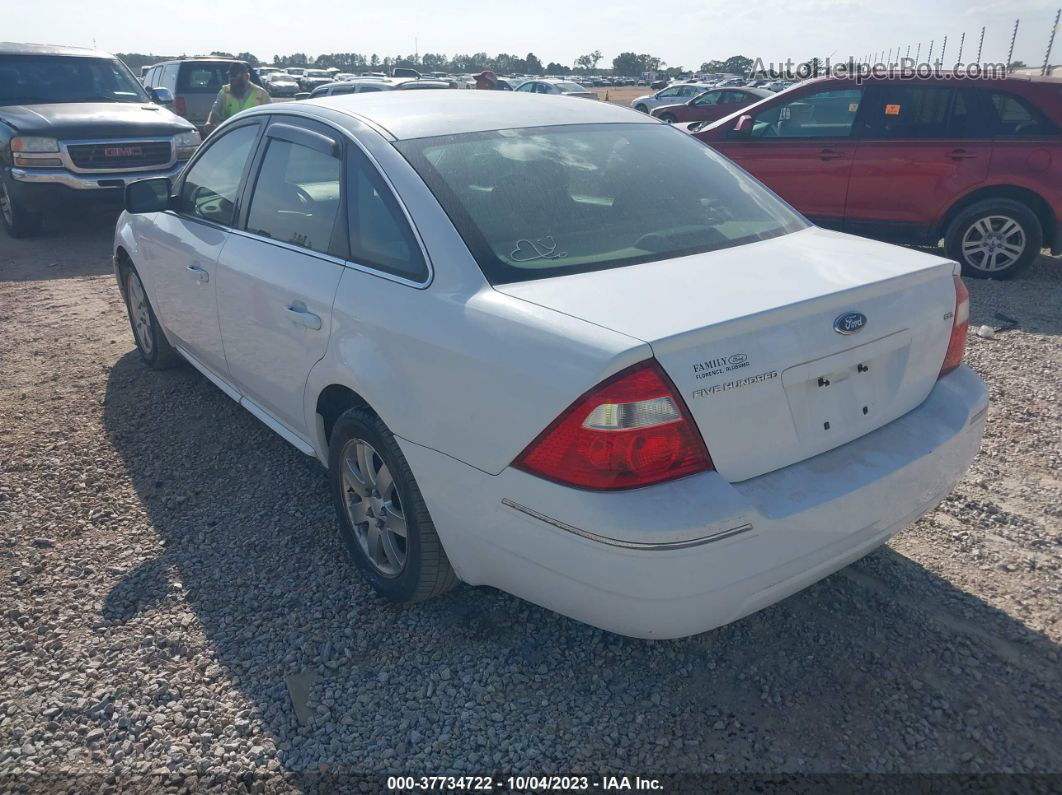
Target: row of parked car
(976, 164)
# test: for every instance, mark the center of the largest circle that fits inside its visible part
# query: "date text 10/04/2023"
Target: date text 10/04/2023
(522, 783)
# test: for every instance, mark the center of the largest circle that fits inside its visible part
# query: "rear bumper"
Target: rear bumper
(688, 556)
(40, 188)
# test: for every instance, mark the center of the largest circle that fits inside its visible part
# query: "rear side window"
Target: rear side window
(209, 191)
(198, 77)
(1014, 116)
(907, 111)
(380, 236)
(297, 196)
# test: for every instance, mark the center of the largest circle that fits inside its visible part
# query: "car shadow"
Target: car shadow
(885, 666)
(74, 243)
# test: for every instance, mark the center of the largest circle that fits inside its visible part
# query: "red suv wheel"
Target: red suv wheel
(994, 239)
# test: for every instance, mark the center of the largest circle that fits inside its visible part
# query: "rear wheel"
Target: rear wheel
(382, 516)
(641, 108)
(17, 219)
(668, 117)
(994, 239)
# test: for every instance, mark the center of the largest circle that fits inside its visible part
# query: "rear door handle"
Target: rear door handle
(201, 275)
(961, 154)
(830, 154)
(299, 314)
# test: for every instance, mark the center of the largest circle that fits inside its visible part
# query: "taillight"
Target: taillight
(631, 430)
(960, 326)
(180, 105)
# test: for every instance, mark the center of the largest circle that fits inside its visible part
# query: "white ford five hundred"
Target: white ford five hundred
(558, 348)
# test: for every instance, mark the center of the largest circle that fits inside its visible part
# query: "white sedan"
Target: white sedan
(558, 348)
(674, 94)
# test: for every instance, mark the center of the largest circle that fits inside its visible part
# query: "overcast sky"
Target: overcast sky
(683, 34)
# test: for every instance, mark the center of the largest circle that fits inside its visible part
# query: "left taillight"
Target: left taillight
(631, 430)
(960, 327)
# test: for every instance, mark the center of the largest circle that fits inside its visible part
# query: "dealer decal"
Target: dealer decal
(752, 379)
(723, 364)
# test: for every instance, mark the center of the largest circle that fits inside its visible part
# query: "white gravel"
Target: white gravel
(171, 578)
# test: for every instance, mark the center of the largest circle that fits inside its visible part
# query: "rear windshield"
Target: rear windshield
(40, 79)
(547, 201)
(205, 77)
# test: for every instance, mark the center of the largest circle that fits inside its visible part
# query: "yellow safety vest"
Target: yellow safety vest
(232, 105)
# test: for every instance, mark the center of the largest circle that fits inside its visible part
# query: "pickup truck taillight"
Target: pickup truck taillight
(180, 106)
(631, 430)
(960, 327)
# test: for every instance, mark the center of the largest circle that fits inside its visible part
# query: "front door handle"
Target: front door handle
(299, 314)
(201, 276)
(961, 154)
(830, 154)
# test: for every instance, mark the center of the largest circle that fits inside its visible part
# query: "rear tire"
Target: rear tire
(994, 239)
(641, 108)
(377, 500)
(17, 219)
(151, 343)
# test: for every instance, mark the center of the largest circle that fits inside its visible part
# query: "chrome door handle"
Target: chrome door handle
(299, 314)
(201, 275)
(961, 154)
(830, 154)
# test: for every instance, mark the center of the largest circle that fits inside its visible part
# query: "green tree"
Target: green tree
(532, 65)
(585, 62)
(627, 64)
(248, 58)
(737, 64)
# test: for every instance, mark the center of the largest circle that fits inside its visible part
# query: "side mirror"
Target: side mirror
(148, 195)
(302, 95)
(743, 126)
(161, 96)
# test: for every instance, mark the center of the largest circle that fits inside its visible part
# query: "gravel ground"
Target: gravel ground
(177, 608)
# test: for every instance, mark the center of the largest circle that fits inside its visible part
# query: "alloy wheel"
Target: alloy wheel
(374, 507)
(138, 312)
(993, 243)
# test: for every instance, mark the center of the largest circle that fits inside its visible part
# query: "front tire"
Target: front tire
(668, 117)
(382, 516)
(994, 239)
(151, 343)
(16, 218)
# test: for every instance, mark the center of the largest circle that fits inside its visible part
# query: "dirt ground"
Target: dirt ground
(622, 95)
(177, 608)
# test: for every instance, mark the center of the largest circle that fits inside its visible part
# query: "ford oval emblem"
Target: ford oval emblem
(849, 322)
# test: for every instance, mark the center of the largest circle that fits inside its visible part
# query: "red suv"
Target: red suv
(977, 163)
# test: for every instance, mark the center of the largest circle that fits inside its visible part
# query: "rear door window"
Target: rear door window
(202, 78)
(907, 111)
(297, 196)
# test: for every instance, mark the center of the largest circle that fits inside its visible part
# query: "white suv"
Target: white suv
(557, 348)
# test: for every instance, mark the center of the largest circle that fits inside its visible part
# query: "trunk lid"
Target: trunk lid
(748, 336)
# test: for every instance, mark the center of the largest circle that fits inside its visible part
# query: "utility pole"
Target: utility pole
(962, 41)
(1051, 43)
(930, 58)
(1013, 38)
(943, 50)
(981, 44)
(918, 53)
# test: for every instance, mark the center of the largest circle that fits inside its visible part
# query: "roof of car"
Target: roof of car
(15, 48)
(423, 114)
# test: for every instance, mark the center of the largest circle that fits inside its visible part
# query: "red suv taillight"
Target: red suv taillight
(180, 106)
(960, 326)
(630, 430)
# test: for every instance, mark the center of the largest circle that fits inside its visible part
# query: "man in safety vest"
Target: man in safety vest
(239, 94)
